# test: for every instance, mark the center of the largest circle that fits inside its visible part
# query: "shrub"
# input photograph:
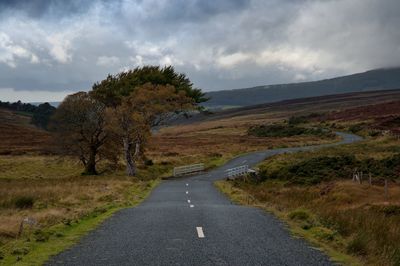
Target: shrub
(391, 210)
(323, 233)
(314, 170)
(24, 202)
(294, 120)
(41, 236)
(148, 162)
(396, 257)
(301, 215)
(20, 251)
(356, 128)
(285, 130)
(358, 245)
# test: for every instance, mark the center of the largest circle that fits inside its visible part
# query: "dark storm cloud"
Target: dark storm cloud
(40, 8)
(67, 45)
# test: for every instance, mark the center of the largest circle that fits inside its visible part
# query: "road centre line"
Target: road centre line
(200, 232)
(191, 206)
(188, 200)
(187, 192)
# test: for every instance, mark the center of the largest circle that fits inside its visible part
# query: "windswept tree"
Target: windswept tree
(114, 88)
(122, 110)
(146, 106)
(79, 124)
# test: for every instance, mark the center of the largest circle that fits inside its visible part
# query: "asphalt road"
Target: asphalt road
(189, 222)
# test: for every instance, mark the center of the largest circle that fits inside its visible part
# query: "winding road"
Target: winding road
(189, 222)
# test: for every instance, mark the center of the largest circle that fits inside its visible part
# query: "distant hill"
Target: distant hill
(373, 80)
(19, 136)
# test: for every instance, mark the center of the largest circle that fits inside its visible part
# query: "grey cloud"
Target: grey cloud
(219, 44)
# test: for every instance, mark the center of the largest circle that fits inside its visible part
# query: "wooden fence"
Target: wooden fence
(188, 169)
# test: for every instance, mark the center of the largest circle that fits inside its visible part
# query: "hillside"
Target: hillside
(379, 79)
(18, 136)
(302, 106)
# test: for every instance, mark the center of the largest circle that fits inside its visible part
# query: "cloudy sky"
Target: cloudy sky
(49, 48)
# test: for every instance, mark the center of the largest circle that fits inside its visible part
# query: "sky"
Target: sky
(51, 48)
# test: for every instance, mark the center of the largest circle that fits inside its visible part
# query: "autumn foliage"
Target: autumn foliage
(117, 116)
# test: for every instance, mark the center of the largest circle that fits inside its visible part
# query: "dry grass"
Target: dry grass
(55, 201)
(218, 141)
(37, 167)
(60, 194)
(18, 136)
(340, 215)
(355, 219)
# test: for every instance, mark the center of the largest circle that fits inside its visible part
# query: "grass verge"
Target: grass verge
(39, 245)
(296, 221)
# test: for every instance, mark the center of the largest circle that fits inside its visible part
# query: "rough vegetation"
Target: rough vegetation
(325, 168)
(340, 216)
(52, 191)
(40, 115)
(19, 136)
(314, 192)
(286, 130)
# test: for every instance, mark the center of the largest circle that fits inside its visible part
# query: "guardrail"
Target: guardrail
(237, 171)
(188, 169)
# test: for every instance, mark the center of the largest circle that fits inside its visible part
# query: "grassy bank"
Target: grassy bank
(39, 242)
(314, 193)
(315, 237)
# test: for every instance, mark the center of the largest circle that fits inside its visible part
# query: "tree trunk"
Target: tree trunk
(130, 163)
(137, 149)
(90, 167)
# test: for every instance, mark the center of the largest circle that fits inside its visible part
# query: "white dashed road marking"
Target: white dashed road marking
(187, 184)
(200, 232)
(187, 192)
(188, 200)
(191, 205)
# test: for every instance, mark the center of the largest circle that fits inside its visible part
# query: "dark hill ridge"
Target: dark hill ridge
(300, 106)
(373, 80)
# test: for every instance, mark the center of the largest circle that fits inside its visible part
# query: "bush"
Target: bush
(300, 215)
(356, 128)
(391, 210)
(294, 120)
(396, 257)
(358, 245)
(20, 251)
(285, 130)
(24, 202)
(148, 162)
(41, 236)
(322, 168)
(323, 233)
(313, 170)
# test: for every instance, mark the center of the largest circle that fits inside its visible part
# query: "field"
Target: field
(314, 192)
(50, 190)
